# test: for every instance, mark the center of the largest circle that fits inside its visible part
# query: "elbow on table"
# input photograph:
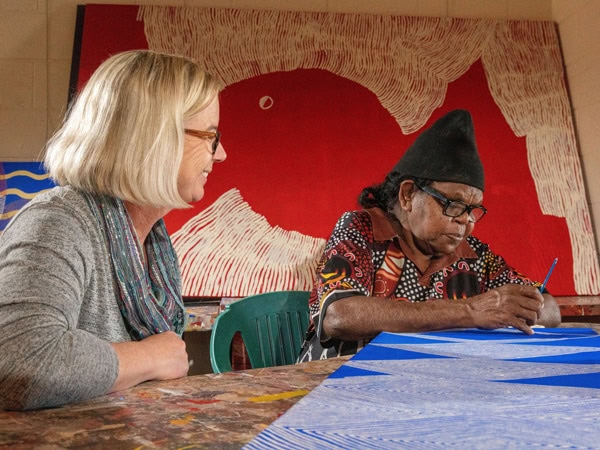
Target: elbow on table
(335, 324)
(22, 393)
(550, 317)
(27, 383)
(15, 394)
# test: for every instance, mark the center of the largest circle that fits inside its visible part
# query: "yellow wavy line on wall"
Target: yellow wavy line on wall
(20, 193)
(8, 215)
(24, 173)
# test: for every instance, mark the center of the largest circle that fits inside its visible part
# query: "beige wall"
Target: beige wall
(36, 41)
(579, 28)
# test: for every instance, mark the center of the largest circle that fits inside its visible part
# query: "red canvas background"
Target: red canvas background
(303, 161)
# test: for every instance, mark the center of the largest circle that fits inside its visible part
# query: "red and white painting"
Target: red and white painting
(319, 105)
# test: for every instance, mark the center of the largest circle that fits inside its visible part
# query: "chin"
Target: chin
(197, 194)
(192, 197)
(444, 250)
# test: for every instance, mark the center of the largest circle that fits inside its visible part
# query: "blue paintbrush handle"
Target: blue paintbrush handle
(543, 286)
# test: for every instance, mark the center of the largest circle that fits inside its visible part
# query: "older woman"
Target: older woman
(407, 262)
(90, 287)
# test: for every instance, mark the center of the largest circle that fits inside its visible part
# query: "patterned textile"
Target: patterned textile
(364, 257)
(149, 298)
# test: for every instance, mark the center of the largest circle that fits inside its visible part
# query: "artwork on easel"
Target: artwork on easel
(319, 105)
(19, 183)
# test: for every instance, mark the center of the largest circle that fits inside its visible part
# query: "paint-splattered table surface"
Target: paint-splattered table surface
(222, 411)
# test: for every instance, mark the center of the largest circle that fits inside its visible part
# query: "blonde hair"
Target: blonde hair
(123, 135)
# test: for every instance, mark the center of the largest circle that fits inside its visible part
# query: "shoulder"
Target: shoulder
(354, 219)
(62, 204)
(354, 223)
(478, 245)
(59, 197)
(352, 226)
(60, 216)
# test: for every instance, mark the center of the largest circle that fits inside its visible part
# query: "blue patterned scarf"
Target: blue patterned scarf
(150, 300)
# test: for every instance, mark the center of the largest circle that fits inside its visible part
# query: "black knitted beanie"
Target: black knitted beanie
(445, 152)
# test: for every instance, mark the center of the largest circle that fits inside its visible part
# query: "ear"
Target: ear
(406, 194)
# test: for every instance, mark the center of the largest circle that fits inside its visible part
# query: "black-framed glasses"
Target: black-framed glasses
(216, 135)
(455, 208)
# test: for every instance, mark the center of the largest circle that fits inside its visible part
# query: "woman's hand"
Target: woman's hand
(158, 357)
(168, 353)
(511, 305)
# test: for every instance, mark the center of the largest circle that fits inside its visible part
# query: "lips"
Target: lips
(455, 237)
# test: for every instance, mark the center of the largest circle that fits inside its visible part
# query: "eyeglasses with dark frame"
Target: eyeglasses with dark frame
(216, 135)
(455, 208)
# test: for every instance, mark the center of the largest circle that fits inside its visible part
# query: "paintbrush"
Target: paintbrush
(543, 286)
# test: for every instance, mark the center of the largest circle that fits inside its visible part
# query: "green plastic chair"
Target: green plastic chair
(272, 326)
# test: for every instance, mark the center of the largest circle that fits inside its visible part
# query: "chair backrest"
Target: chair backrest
(272, 326)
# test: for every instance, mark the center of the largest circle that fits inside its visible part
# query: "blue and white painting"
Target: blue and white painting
(460, 389)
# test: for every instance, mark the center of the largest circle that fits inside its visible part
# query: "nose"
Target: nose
(464, 218)
(220, 155)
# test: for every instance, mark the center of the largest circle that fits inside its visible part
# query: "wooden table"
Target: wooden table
(572, 308)
(215, 410)
(222, 411)
(581, 309)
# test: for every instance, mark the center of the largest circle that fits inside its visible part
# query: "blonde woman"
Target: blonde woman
(90, 289)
